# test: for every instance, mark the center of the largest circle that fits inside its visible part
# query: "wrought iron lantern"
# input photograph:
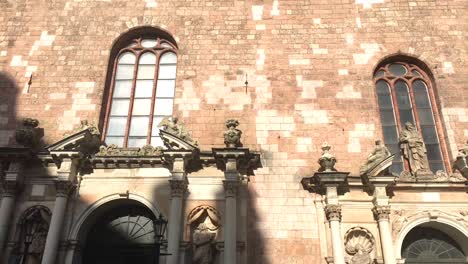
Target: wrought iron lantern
(30, 228)
(159, 227)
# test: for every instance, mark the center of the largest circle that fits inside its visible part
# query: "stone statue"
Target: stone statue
(379, 153)
(176, 128)
(414, 150)
(361, 256)
(202, 243)
(232, 135)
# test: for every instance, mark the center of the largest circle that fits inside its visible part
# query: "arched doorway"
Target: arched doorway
(428, 245)
(121, 233)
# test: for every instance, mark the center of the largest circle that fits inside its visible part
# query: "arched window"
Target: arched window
(405, 94)
(142, 91)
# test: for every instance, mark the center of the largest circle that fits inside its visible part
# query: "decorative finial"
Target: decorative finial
(232, 135)
(28, 135)
(328, 160)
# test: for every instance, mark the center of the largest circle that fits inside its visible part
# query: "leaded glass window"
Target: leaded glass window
(404, 94)
(142, 92)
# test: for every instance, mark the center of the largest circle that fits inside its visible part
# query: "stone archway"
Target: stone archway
(118, 231)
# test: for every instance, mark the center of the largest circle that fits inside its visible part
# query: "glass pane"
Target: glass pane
(429, 135)
(122, 89)
(433, 152)
(421, 96)
(436, 165)
(403, 99)
(379, 74)
(157, 142)
(146, 72)
(167, 72)
(136, 142)
(141, 107)
(166, 45)
(406, 116)
(415, 72)
(387, 117)
(127, 58)
(149, 43)
(168, 57)
(155, 129)
(144, 88)
(165, 88)
(390, 134)
(397, 167)
(148, 58)
(397, 69)
(139, 126)
(124, 72)
(117, 126)
(383, 88)
(385, 101)
(163, 107)
(115, 140)
(425, 116)
(119, 107)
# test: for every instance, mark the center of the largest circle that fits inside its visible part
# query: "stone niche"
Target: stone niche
(203, 224)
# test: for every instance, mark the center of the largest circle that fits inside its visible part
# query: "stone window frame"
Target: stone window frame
(131, 42)
(425, 75)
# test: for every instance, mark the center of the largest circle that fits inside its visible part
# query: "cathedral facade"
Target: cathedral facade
(233, 132)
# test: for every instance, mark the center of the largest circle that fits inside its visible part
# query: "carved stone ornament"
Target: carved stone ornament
(204, 221)
(439, 176)
(206, 214)
(378, 155)
(381, 212)
(29, 134)
(327, 160)
(415, 152)
(37, 219)
(232, 135)
(461, 163)
(178, 187)
(230, 188)
(359, 243)
(175, 135)
(63, 188)
(114, 151)
(333, 212)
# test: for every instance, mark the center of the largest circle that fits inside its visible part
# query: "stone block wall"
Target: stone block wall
(308, 64)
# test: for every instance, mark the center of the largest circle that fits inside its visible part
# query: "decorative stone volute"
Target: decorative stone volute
(381, 212)
(327, 160)
(29, 134)
(232, 135)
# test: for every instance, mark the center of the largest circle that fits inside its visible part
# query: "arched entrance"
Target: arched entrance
(428, 245)
(121, 233)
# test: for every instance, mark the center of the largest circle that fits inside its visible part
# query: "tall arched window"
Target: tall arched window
(141, 92)
(405, 94)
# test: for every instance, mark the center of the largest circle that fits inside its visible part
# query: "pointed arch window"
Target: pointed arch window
(142, 92)
(405, 94)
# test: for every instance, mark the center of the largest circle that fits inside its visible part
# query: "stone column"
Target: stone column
(382, 215)
(333, 212)
(230, 222)
(178, 189)
(63, 185)
(11, 186)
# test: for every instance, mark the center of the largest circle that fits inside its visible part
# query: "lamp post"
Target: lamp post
(159, 227)
(30, 228)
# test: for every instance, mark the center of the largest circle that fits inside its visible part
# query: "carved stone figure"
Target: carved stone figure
(232, 135)
(110, 150)
(461, 163)
(327, 160)
(202, 241)
(149, 150)
(361, 257)
(175, 128)
(28, 135)
(414, 150)
(379, 153)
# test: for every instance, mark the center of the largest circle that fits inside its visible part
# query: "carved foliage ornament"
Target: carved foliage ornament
(178, 187)
(359, 243)
(381, 212)
(114, 151)
(333, 212)
(327, 160)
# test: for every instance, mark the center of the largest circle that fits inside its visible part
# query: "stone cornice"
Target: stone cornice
(246, 161)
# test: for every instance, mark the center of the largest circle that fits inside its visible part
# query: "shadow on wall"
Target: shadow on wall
(8, 104)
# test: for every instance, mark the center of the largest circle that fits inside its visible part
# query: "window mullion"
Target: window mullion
(132, 98)
(153, 99)
(414, 107)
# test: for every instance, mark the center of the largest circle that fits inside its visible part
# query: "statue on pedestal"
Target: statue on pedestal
(379, 153)
(202, 241)
(414, 150)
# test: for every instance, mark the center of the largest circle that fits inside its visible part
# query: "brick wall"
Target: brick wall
(309, 66)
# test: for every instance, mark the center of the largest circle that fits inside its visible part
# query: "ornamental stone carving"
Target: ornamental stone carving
(232, 135)
(178, 187)
(333, 212)
(177, 129)
(230, 188)
(63, 188)
(461, 163)
(327, 160)
(379, 154)
(204, 223)
(29, 134)
(414, 151)
(113, 151)
(359, 243)
(381, 212)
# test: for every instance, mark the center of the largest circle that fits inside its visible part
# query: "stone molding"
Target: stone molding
(381, 212)
(333, 212)
(178, 187)
(230, 188)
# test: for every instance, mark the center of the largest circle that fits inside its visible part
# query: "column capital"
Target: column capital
(381, 212)
(333, 212)
(178, 187)
(63, 188)
(230, 188)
